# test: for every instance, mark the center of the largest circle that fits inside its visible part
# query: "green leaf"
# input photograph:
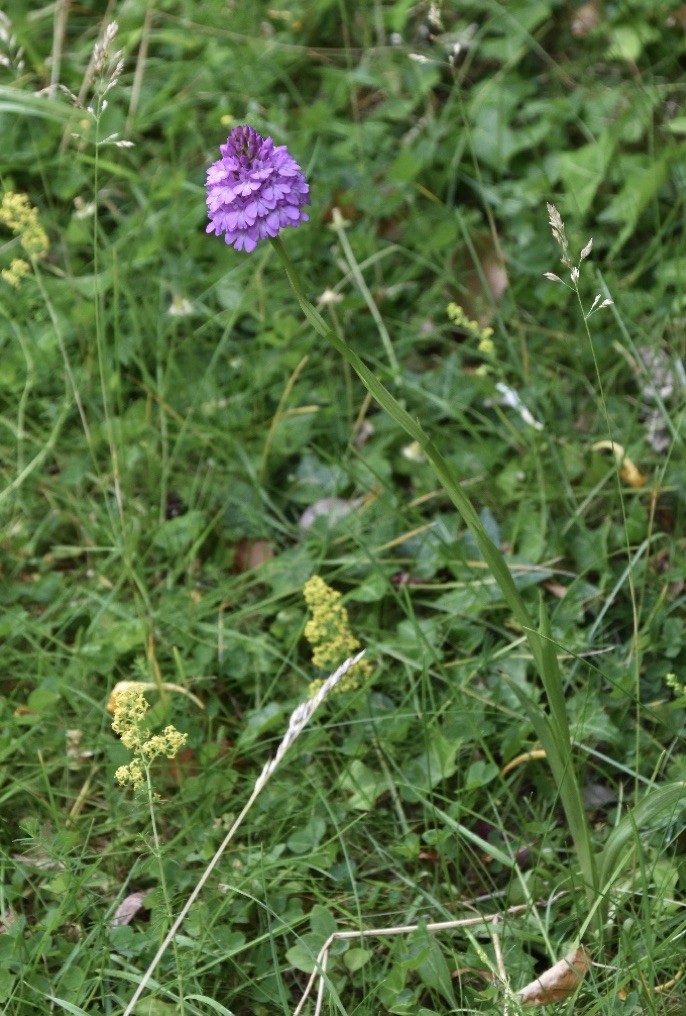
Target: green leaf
(356, 958)
(176, 535)
(676, 126)
(434, 765)
(260, 722)
(76, 1010)
(25, 103)
(584, 170)
(304, 953)
(363, 784)
(214, 1006)
(434, 971)
(155, 1007)
(308, 837)
(479, 774)
(322, 922)
(627, 41)
(643, 178)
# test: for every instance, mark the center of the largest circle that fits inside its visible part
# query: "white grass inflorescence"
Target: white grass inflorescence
(558, 229)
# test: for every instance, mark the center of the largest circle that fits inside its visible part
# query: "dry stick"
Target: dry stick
(137, 83)
(297, 723)
(500, 963)
(402, 929)
(58, 32)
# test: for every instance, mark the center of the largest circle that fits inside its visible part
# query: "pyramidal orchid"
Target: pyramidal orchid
(255, 190)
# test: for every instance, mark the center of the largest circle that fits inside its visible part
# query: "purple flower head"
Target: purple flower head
(254, 190)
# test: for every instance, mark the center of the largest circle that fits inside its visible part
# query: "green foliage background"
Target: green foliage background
(146, 454)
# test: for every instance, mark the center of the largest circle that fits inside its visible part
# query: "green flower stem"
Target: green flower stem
(553, 729)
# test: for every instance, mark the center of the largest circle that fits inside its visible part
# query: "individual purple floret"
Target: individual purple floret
(254, 190)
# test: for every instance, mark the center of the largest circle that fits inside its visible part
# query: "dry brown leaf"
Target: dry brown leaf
(129, 907)
(7, 919)
(495, 274)
(677, 18)
(332, 508)
(251, 554)
(585, 19)
(559, 982)
(482, 287)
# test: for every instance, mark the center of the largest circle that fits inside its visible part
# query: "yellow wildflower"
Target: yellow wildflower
(22, 219)
(17, 271)
(675, 684)
(130, 710)
(483, 335)
(328, 632)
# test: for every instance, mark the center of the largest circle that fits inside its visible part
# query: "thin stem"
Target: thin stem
(99, 336)
(636, 641)
(163, 883)
(356, 272)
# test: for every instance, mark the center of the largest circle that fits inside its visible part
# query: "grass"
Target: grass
(182, 450)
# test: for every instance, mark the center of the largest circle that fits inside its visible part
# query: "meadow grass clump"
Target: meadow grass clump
(195, 434)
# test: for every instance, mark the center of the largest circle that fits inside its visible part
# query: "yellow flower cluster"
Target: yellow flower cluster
(130, 711)
(21, 218)
(473, 328)
(328, 632)
(675, 684)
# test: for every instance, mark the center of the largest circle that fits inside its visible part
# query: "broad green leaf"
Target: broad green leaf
(643, 178)
(322, 922)
(356, 958)
(434, 972)
(211, 1003)
(363, 784)
(75, 1010)
(583, 171)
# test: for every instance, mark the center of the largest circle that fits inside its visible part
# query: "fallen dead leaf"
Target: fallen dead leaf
(484, 284)
(585, 19)
(559, 982)
(332, 508)
(7, 919)
(251, 554)
(129, 907)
